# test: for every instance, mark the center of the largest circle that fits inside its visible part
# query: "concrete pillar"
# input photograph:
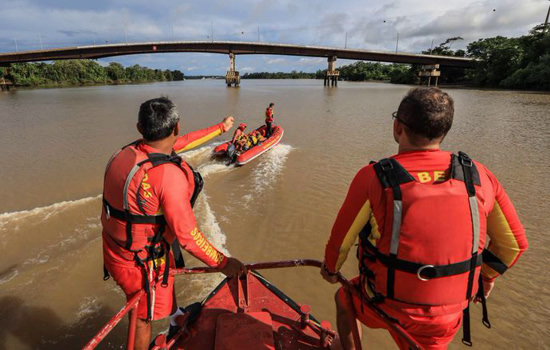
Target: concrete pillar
(331, 60)
(430, 71)
(231, 62)
(331, 76)
(232, 76)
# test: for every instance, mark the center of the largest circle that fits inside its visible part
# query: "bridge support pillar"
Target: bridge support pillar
(429, 72)
(232, 76)
(6, 81)
(331, 76)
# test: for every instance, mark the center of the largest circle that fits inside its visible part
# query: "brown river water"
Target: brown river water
(55, 143)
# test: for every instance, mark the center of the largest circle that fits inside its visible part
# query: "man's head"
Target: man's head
(271, 105)
(425, 116)
(158, 119)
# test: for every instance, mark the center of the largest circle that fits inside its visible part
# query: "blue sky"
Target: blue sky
(368, 24)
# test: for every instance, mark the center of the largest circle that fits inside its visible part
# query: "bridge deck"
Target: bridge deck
(225, 47)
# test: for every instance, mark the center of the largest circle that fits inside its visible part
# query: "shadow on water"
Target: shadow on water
(41, 328)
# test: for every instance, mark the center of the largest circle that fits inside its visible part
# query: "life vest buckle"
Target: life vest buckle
(465, 159)
(386, 165)
(107, 212)
(421, 269)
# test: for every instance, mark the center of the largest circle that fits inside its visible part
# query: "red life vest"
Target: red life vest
(432, 236)
(269, 115)
(124, 216)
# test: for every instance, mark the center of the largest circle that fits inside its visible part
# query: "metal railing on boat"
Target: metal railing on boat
(348, 286)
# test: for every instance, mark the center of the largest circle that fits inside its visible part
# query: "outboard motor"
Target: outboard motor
(231, 151)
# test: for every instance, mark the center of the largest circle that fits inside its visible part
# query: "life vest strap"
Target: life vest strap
(133, 218)
(423, 271)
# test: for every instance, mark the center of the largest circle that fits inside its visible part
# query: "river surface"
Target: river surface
(56, 142)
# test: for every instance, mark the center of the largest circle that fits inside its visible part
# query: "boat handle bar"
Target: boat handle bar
(392, 323)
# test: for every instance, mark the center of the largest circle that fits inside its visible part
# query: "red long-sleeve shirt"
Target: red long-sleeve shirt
(167, 190)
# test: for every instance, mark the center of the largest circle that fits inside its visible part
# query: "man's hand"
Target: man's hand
(228, 123)
(487, 288)
(329, 277)
(233, 268)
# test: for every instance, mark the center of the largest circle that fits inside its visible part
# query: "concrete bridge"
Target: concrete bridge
(232, 48)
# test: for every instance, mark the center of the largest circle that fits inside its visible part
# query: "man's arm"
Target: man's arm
(173, 197)
(507, 236)
(197, 138)
(352, 217)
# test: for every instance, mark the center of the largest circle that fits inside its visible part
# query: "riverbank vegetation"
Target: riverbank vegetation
(84, 72)
(514, 63)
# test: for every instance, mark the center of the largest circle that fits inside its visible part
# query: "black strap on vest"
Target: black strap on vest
(391, 174)
(466, 332)
(424, 271)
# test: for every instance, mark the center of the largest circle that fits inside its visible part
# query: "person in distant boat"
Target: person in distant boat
(148, 195)
(257, 137)
(238, 133)
(269, 120)
(240, 139)
(422, 217)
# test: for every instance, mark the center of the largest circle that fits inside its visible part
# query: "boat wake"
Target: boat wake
(11, 220)
(266, 172)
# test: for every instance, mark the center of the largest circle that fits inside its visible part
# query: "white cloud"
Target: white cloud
(308, 61)
(367, 25)
(276, 60)
(247, 69)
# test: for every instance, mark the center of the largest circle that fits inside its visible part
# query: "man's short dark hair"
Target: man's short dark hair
(158, 118)
(427, 112)
(271, 104)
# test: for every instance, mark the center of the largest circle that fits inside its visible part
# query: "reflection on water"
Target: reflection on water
(281, 206)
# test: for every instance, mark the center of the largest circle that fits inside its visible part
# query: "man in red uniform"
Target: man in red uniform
(147, 204)
(421, 217)
(269, 120)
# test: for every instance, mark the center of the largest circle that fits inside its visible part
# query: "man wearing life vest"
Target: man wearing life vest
(238, 133)
(422, 217)
(269, 120)
(148, 196)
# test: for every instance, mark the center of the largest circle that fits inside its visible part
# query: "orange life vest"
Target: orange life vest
(432, 237)
(269, 115)
(124, 218)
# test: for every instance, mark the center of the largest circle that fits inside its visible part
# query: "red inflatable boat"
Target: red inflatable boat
(241, 157)
(249, 313)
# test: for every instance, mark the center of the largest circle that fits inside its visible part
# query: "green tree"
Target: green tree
(498, 58)
(116, 72)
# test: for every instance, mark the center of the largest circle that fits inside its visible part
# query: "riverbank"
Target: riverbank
(83, 73)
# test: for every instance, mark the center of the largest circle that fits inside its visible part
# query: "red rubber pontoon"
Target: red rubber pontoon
(243, 157)
(249, 313)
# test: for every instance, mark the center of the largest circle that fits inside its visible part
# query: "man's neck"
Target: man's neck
(163, 146)
(411, 148)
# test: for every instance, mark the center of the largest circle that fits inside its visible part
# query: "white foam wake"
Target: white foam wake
(209, 224)
(10, 219)
(201, 154)
(270, 166)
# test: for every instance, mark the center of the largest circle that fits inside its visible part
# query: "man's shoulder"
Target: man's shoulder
(167, 174)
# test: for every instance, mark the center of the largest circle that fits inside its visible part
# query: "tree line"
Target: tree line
(515, 63)
(518, 63)
(83, 72)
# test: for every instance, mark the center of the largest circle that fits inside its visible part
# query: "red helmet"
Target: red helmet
(242, 126)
